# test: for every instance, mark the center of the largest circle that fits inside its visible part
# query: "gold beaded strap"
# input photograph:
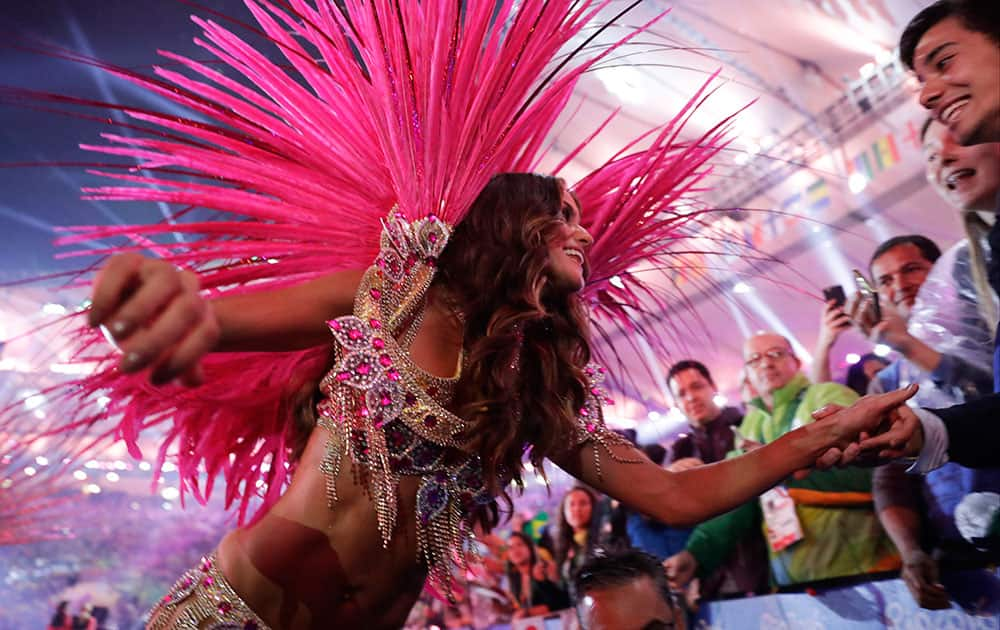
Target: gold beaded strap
(590, 424)
(202, 599)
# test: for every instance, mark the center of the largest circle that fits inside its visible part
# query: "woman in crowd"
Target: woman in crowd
(861, 373)
(533, 583)
(61, 620)
(576, 534)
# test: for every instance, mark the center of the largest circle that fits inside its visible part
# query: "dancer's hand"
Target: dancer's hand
(154, 313)
(852, 427)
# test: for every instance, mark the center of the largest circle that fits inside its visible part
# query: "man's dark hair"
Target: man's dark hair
(608, 569)
(981, 16)
(928, 249)
(689, 364)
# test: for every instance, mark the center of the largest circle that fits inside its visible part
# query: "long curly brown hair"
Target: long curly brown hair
(527, 342)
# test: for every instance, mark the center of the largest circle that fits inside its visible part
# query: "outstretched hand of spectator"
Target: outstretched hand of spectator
(903, 438)
(920, 574)
(884, 416)
(680, 569)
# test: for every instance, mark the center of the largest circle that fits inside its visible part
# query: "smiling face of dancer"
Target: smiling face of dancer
(568, 246)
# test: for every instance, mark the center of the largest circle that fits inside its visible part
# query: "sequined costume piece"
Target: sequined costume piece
(392, 418)
(202, 599)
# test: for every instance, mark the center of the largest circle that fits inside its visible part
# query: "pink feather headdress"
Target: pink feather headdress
(381, 104)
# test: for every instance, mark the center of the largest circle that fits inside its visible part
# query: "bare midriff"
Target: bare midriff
(307, 566)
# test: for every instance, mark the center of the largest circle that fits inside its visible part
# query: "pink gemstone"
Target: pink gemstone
(355, 334)
(225, 607)
(595, 391)
(205, 566)
(430, 261)
(208, 581)
(376, 294)
(343, 376)
(590, 427)
(363, 369)
(584, 412)
(166, 598)
(375, 324)
(386, 401)
(378, 343)
(432, 218)
(188, 581)
(432, 237)
(385, 360)
(334, 324)
(364, 412)
(393, 375)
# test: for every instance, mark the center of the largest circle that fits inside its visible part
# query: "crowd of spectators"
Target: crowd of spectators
(121, 555)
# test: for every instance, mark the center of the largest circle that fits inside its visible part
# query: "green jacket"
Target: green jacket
(841, 533)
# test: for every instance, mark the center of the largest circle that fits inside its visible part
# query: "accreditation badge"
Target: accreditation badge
(780, 520)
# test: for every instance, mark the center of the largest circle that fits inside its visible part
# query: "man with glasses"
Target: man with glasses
(626, 590)
(818, 527)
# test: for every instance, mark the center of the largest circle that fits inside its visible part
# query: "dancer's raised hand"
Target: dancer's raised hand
(155, 314)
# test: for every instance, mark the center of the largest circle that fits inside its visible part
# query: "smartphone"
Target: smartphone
(866, 290)
(835, 293)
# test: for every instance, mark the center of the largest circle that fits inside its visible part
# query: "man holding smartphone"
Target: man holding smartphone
(900, 267)
(953, 46)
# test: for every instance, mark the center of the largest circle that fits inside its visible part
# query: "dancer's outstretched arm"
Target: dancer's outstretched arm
(692, 496)
(158, 318)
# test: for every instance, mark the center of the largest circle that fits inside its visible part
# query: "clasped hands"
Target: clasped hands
(873, 431)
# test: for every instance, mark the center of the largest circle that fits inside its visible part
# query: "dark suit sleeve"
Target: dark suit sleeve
(973, 431)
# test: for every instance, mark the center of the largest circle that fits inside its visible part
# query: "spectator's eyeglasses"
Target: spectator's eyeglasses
(774, 354)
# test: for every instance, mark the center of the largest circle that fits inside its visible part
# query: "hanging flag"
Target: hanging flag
(885, 152)
(818, 196)
(862, 164)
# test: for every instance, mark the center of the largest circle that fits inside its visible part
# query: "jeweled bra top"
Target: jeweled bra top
(392, 418)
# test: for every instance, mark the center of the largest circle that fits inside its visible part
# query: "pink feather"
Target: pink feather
(408, 104)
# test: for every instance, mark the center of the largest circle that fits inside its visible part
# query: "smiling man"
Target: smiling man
(953, 46)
